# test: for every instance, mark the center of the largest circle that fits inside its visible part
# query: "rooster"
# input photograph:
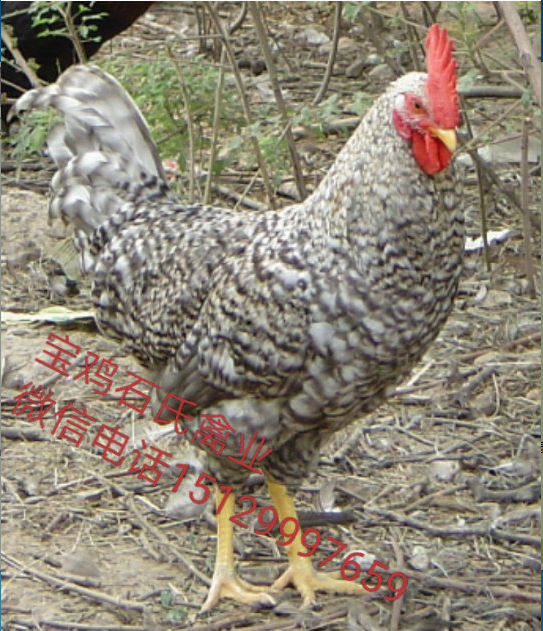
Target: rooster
(291, 324)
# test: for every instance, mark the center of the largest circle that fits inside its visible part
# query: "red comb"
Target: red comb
(441, 84)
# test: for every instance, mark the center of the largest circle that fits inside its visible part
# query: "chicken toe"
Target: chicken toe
(226, 583)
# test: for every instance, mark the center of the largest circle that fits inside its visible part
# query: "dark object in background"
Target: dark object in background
(54, 53)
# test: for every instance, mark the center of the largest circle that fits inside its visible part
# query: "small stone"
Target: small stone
(244, 62)
(344, 45)
(58, 286)
(420, 559)
(364, 559)
(444, 470)
(355, 69)
(518, 467)
(80, 563)
(373, 60)
(315, 38)
(485, 403)
(258, 66)
(14, 381)
(31, 486)
(327, 498)
(180, 506)
(381, 72)
(496, 298)
(289, 190)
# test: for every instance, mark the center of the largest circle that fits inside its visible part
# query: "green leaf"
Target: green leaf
(177, 613)
(467, 80)
(351, 11)
(527, 97)
(166, 598)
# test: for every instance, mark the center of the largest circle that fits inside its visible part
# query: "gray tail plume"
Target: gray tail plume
(105, 156)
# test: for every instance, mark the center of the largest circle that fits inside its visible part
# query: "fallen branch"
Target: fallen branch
(256, 14)
(528, 58)
(143, 523)
(472, 588)
(527, 493)
(435, 531)
(40, 625)
(526, 225)
(331, 56)
(20, 433)
(244, 101)
(490, 91)
(21, 61)
(91, 594)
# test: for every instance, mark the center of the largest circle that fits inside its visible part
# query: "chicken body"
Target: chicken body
(291, 323)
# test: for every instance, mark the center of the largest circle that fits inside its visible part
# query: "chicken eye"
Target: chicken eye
(417, 107)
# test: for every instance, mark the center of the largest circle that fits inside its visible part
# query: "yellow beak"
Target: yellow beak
(447, 137)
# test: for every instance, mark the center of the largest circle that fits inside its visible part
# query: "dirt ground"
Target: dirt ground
(442, 483)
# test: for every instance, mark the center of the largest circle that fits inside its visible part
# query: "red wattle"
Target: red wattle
(430, 153)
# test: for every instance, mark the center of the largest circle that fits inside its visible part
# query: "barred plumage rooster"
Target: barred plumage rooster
(291, 324)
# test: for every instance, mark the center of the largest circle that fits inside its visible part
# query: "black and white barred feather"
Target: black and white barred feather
(102, 148)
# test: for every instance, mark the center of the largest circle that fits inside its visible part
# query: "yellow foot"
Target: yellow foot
(228, 585)
(307, 581)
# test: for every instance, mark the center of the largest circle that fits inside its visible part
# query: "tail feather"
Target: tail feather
(102, 148)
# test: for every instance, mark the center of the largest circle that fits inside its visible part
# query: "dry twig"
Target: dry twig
(338, 8)
(91, 594)
(256, 14)
(160, 537)
(397, 607)
(215, 130)
(481, 187)
(414, 41)
(21, 61)
(190, 124)
(72, 30)
(527, 55)
(244, 101)
(435, 531)
(473, 587)
(526, 225)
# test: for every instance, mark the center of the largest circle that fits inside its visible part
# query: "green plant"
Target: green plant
(361, 103)
(57, 18)
(29, 139)
(153, 82)
(154, 85)
(351, 10)
(175, 612)
(530, 12)
(466, 28)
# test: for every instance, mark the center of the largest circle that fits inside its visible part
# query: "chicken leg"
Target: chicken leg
(225, 582)
(300, 572)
